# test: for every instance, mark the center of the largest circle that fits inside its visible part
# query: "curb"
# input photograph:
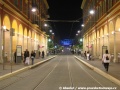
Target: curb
(106, 75)
(36, 64)
(24, 69)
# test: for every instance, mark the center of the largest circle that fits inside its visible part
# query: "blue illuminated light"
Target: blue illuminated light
(66, 42)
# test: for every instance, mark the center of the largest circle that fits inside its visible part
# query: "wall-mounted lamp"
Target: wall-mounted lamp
(45, 25)
(79, 31)
(92, 12)
(113, 32)
(33, 9)
(4, 27)
(82, 25)
(76, 34)
(119, 29)
(50, 30)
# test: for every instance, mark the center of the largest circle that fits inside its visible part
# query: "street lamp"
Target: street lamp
(81, 40)
(3, 43)
(76, 34)
(4, 27)
(33, 9)
(79, 31)
(91, 12)
(49, 40)
(45, 25)
(82, 25)
(50, 31)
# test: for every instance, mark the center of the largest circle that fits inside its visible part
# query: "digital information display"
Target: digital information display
(66, 42)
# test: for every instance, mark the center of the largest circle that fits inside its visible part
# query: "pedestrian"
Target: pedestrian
(85, 54)
(26, 57)
(106, 60)
(15, 56)
(43, 54)
(39, 53)
(32, 57)
(34, 52)
(88, 55)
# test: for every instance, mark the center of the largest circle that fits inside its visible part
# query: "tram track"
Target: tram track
(48, 75)
(61, 72)
(36, 87)
(81, 66)
(70, 74)
(94, 77)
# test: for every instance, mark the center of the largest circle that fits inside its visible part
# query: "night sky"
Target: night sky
(65, 10)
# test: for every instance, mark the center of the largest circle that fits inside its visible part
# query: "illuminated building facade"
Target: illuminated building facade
(101, 29)
(28, 24)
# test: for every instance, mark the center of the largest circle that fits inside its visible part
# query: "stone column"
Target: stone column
(115, 54)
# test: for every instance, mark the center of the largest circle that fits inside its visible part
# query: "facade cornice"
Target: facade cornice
(46, 4)
(21, 18)
(83, 3)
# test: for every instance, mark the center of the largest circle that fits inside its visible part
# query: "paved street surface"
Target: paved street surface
(61, 73)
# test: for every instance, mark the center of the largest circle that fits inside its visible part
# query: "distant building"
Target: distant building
(102, 29)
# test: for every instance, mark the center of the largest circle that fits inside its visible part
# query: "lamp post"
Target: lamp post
(3, 43)
(12, 30)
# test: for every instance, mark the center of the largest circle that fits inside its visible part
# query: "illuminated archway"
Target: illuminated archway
(6, 22)
(117, 32)
(111, 38)
(6, 40)
(33, 39)
(105, 36)
(29, 41)
(15, 26)
(101, 41)
(25, 39)
(37, 41)
(98, 42)
(20, 40)
(94, 44)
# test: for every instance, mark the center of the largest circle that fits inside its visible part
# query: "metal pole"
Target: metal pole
(11, 34)
(2, 38)
(0, 41)
(11, 52)
(3, 45)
